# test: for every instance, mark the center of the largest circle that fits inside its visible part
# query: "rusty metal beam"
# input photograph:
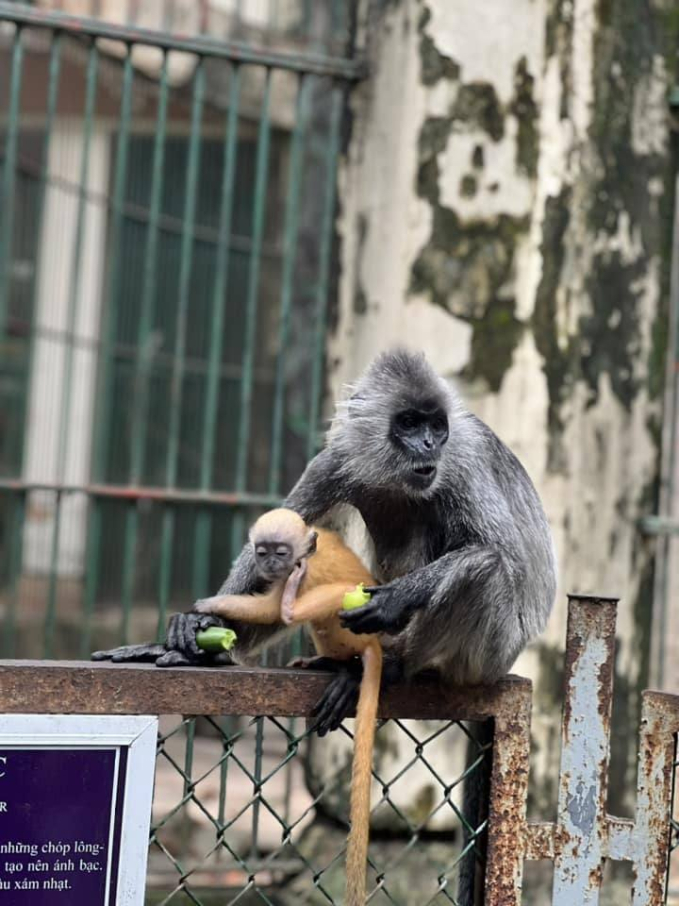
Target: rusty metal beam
(75, 687)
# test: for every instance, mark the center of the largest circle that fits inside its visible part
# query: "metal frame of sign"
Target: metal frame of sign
(137, 736)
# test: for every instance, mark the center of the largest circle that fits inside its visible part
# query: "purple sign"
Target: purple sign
(60, 825)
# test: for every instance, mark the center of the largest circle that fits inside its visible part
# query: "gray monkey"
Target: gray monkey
(459, 538)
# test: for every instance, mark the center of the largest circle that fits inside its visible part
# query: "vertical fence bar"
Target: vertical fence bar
(52, 99)
(92, 563)
(140, 397)
(261, 171)
(652, 829)
(583, 782)
(14, 579)
(507, 803)
(322, 289)
(186, 262)
(143, 364)
(290, 232)
(8, 175)
(111, 325)
(219, 297)
(50, 616)
(253, 287)
(178, 363)
(109, 335)
(54, 68)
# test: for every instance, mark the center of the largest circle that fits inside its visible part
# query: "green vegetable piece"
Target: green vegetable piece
(216, 639)
(355, 598)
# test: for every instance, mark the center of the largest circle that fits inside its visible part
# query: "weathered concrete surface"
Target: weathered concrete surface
(502, 208)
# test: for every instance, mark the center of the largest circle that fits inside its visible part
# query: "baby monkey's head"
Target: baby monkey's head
(280, 539)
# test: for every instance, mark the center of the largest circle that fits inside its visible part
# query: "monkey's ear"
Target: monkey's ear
(313, 538)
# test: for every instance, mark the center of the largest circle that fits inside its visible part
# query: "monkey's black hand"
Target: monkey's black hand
(388, 610)
(181, 637)
(339, 699)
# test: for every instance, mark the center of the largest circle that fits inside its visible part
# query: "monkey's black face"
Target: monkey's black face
(274, 559)
(420, 433)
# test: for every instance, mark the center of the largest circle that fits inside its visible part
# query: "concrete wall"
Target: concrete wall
(504, 205)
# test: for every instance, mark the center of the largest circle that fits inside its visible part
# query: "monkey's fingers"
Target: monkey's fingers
(148, 652)
(182, 629)
(368, 619)
(178, 659)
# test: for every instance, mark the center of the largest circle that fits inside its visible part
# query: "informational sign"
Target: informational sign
(75, 809)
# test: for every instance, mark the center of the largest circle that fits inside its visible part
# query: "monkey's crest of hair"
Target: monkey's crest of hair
(279, 525)
(395, 381)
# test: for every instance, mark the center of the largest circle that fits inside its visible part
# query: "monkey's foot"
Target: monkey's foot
(339, 700)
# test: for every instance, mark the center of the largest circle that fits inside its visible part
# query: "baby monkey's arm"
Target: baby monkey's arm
(261, 608)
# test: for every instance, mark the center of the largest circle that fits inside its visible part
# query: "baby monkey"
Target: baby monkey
(310, 589)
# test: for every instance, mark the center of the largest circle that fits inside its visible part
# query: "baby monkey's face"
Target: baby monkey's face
(275, 558)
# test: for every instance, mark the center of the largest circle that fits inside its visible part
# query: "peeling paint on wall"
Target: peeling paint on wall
(502, 207)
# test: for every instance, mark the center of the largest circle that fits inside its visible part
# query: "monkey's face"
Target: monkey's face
(275, 559)
(418, 434)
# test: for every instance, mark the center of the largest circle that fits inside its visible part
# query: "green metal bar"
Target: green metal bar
(54, 69)
(140, 397)
(204, 517)
(201, 45)
(253, 288)
(129, 568)
(109, 331)
(8, 172)
(176, 390)
(15, 558)
(110, 327)
(165, 575)
(142, 376)
(322, 290)
(290, 234)
(50, 619)
(51, 613)
(185, 266)
(219, 293)
(92, 562)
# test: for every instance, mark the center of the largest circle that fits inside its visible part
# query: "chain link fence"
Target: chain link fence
(241, 809)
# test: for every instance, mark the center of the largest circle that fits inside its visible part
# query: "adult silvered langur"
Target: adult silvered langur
(457, 533)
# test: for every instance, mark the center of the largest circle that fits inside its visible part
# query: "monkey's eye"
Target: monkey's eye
(282, 550)
(261, 551)
(439, 424)
(407, 421)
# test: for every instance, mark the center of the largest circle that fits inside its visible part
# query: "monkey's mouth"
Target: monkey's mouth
(424, 475)
(425, 471)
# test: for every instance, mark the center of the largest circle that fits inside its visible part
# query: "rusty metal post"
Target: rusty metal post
(650, 843)
(581, 824)
(507, 838)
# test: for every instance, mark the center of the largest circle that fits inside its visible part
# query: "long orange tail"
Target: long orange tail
(364, 737)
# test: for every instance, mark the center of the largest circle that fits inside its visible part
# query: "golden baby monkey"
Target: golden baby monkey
(310, 589)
